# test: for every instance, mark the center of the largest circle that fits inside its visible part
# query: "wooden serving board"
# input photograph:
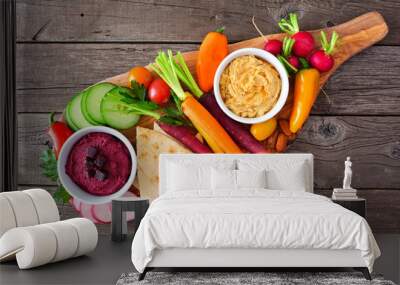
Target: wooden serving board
(355, 36)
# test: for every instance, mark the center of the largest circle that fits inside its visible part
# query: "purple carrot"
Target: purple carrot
(237, 131)
(186, 137)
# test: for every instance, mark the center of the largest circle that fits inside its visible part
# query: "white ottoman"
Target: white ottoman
(31, 233)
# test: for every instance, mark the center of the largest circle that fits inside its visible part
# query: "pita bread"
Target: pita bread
(149, 145)
(157, 128)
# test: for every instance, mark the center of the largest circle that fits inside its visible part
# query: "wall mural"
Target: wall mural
(252, 96)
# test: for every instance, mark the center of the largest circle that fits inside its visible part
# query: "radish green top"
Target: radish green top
(290, 26)
(328, 47)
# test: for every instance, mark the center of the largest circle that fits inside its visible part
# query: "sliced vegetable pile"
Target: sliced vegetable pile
(173, 97)
(187, 110)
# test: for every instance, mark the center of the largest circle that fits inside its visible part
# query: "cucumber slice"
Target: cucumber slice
(68, 117)
(83, 109)
(91, 101)
(75, 112)
(113, 112)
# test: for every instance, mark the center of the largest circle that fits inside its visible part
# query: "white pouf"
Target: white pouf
(37, 245)
(67, 240)
(7, 220)
(87, 235)
(31, 233)
(23, 208)
(46, 209)
(32, 246)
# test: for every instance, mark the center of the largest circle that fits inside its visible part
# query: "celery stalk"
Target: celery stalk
(173, 70)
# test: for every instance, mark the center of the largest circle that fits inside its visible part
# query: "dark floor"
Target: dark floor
(103, 266)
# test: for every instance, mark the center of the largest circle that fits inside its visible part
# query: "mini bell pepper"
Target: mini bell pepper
(306, 89)
(59, 133)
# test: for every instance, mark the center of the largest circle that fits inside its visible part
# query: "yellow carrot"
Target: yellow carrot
(216, 137)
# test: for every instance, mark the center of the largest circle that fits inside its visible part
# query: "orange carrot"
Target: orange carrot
(285, 112)
(281, 142)
(271, 140)
(212, 51)
(284, 125)
(216, 137)
(173, 70)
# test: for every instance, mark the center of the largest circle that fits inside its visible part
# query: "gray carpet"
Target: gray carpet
(243, 278)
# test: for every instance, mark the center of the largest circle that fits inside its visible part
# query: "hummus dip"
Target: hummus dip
(250, 86)
(99, 163)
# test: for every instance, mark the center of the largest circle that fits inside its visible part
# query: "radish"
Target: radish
(273, 46)
(304, 41)
(76, 203)
(86, 212)
(294, 61)
(101, 212)
(287, 50)
(291, 62)
(322, 59)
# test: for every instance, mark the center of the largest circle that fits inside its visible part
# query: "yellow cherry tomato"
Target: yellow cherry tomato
(263, 130)
(141, 75)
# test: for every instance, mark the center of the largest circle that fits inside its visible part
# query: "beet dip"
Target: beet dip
(99, 163)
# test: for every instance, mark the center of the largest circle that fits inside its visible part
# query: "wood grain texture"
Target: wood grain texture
(373, 143)
(138, 21)
(383, 206)
(355, 35)
(45, 82)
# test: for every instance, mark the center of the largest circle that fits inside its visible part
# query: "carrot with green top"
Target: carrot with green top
(173, 70)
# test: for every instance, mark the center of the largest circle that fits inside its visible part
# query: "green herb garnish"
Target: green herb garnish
(49, 169)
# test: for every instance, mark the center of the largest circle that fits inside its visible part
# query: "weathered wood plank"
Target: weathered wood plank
(138, 21)
(49, 74)
(373, 143)
(383, 209)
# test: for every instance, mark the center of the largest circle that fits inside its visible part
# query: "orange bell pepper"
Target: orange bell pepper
(306, 87)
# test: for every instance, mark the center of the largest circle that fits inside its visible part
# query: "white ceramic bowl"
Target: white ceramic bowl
(266, 56)
(74, 189)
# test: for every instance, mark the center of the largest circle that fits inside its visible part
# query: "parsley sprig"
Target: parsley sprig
(48, 163)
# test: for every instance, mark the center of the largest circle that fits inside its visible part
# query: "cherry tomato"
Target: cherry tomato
(263, 130)
(141, 75)
(158, 91)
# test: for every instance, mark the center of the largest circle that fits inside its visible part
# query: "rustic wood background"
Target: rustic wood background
(64, 46)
